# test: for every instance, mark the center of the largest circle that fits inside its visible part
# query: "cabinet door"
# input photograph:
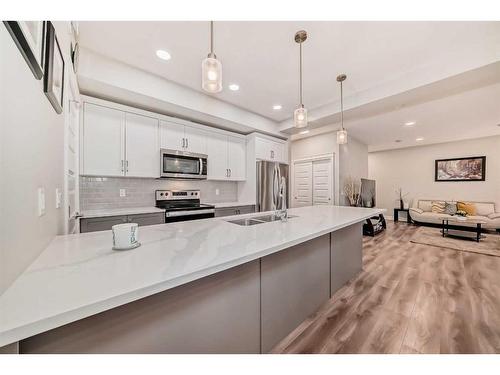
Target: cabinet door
(103, 141)
(196, 140)
(217, 157)
(236, 158)
(147, 219)
(277, 151)
(142, 149)
(263, 149)
(100, 223)
(172, 136)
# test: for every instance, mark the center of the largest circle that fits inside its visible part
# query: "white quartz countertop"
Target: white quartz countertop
(79, 275)
(120, 211)
(230, 204)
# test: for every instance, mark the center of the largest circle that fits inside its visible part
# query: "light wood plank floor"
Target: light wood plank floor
(409, 298)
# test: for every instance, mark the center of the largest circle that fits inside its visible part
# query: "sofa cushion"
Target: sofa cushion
(438, 207)
(450, 208)
(426, 206)
(470, 208)
(484, 209)
(495, 215)
(433, 215)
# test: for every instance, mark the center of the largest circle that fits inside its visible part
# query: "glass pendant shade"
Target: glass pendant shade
(342, 137)
(300, 117)
(211, 73)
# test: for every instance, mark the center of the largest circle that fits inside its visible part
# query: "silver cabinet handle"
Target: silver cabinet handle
(123, 165)
(126, 165)
(187, 142)
(272, 154)
(183, 142)
(229, 172)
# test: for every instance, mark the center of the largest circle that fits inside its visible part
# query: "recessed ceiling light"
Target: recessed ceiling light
(398, 140)
(234, 87)
(164, 55)
(277, 107)
(304, 132)
(410, 123)
(419, 139)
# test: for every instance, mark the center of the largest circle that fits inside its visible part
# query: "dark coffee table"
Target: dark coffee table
(457, 230)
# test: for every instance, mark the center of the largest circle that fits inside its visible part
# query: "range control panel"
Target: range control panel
(168, 195)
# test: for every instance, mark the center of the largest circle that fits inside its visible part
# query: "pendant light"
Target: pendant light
(342, 133)
(300, 114)
(211, 68)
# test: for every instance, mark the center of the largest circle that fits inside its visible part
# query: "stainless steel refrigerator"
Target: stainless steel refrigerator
(272, 186)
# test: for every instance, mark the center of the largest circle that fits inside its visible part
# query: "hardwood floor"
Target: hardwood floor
(409, 298)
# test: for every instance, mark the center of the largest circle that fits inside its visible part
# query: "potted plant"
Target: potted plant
(351, 191)
(401, 195)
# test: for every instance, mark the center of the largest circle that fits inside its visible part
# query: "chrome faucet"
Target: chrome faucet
(282, 213)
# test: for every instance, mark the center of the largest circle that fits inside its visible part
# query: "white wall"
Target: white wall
(353, 162)
(413, 170)
(31, 156)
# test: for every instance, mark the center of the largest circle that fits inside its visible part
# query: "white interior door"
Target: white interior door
(322, 181)
(302, 184)
(143, 154)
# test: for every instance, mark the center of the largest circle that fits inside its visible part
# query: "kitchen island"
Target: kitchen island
(204, 286)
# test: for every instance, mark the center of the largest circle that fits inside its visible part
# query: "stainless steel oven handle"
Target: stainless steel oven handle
(186, 213)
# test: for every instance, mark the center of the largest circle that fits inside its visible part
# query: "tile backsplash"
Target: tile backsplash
(104, 192)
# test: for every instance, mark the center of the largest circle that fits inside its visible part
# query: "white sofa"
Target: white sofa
(421, 212)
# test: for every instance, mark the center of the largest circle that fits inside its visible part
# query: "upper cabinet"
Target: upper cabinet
(103, 134)
(267, 149)
(226, 157)
(142, 147)
(175, 136)
(117, 143)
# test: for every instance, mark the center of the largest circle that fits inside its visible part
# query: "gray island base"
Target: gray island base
(249, 308)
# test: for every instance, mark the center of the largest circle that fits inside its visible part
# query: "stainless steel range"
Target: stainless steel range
(182, 205)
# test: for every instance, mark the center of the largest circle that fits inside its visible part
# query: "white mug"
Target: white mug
(125, 236)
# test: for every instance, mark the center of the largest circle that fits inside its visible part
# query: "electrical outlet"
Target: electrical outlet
(217, 191)
(41, 201)
(58, 198)
(123, 193)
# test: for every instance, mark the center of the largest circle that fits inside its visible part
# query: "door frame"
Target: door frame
(333, 160)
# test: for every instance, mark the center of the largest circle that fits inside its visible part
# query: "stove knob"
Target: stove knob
(161, 194)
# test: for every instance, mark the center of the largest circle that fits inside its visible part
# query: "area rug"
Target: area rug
(489, 245)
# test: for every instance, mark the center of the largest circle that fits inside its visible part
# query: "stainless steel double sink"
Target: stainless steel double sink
(257, 220)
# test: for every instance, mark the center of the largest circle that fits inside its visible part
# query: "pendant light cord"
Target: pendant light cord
(211, 38)
(341, 106)
(300, 73)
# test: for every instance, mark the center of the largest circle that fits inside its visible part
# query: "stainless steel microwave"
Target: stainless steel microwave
(181, 164)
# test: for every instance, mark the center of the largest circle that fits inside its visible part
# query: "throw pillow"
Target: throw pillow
(437, 207)
(467, 207)
(450, 208)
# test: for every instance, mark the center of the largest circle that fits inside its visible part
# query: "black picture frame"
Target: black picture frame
(482, 173)
(53, 83)
(33, 54)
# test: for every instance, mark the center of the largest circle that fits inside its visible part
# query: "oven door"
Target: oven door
(175, 216)
(179, 164)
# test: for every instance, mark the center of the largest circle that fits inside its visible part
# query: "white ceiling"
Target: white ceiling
(263, 58)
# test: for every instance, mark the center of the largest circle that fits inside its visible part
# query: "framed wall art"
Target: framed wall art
(461, 169)
(29, 37)
(53, 84)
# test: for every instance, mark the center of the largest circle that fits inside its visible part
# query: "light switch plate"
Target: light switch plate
(123, 193)
(217, 191)
(41, 201)
(58, 198)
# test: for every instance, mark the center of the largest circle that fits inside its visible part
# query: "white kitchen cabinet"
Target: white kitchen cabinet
(174, 136)
(217, 157)
(226, 157)
(103, 135)
(142, 148)
(266, 149)
(236, 158)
